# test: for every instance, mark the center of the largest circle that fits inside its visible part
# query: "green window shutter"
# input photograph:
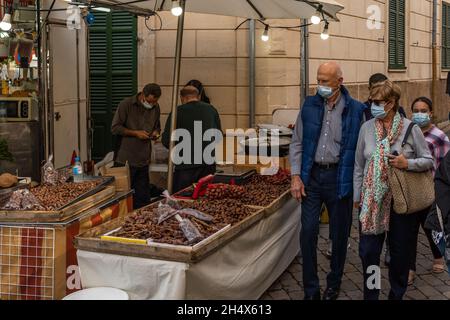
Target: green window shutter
(123, 57)
(445, 35)
(113, 72)
(397, 34)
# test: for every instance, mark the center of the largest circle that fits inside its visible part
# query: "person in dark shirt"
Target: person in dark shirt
(137, 122)
(374, 79)
(436, 221)
(197, 84)
(191, 159)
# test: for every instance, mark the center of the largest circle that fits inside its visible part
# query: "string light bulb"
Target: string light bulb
(325, 33)
(176, 8)
(316, 18)
(265, 35)
(101, 9)
(5, 25)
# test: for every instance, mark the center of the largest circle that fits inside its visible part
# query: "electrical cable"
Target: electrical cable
(276, 27)
(160, 22)
(45, 21)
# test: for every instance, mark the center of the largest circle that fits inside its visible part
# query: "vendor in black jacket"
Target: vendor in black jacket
(194, 118)
(442, 188)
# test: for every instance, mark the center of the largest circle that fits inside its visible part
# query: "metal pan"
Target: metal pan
(105, 181)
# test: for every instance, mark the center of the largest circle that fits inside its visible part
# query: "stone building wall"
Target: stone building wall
(217, 55)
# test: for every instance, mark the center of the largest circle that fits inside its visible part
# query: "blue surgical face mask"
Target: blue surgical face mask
(325, 92)
(378, 110)
(421, 119)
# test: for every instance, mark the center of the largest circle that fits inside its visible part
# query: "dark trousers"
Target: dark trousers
(183, 178)
(421, 216)
(399, 239)
(140, 182)
(323, 188)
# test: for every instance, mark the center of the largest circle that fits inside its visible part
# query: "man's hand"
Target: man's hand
(141, 134)
(399, 162)
(297, 188)
(356, 205)
(155, 135)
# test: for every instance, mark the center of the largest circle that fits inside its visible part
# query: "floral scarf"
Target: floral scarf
(376, 195)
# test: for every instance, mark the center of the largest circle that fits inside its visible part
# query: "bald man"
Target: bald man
(193, 117)
(322, 155)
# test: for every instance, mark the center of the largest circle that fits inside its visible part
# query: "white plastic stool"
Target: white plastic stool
(99, 293)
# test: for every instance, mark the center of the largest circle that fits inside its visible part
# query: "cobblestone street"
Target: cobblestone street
(427, 286)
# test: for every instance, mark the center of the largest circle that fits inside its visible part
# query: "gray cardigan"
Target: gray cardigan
(416, 151)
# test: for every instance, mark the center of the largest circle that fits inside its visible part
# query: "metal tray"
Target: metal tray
(57, 216)
(105, 181)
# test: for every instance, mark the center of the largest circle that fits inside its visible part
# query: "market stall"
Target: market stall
(239, 259)
(38, 224)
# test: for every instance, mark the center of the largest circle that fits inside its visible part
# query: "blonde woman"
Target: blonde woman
(379, 149)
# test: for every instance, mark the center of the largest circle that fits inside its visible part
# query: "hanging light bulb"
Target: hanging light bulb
(5, 25)
(265, 35)
(325, 34)
(176, 9)
(316, 18)
(102, 9)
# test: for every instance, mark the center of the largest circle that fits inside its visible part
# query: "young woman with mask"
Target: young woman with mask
(439, 145)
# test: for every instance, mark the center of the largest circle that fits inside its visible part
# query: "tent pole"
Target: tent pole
(304, 62)
(176, 80)
(252, 72)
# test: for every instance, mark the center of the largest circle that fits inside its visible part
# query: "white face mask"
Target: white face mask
(147, 105)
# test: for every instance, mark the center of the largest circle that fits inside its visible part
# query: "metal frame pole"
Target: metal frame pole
(44, 93)
(304, 62)
(252, 73)
(89, 125)
(50, 102)
(78, 92)
(176, 80)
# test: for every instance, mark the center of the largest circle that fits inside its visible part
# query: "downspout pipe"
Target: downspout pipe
(252, 73)
(434, 54)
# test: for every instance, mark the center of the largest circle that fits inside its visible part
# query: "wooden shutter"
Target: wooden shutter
(113, 72)
(397, 34)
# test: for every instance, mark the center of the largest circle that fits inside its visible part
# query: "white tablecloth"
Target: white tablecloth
(242, 269)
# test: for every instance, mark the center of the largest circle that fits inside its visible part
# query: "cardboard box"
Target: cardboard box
(121, 175)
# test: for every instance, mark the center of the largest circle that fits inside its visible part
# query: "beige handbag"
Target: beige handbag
(411, 191)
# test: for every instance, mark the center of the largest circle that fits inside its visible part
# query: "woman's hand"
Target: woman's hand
(399, 162)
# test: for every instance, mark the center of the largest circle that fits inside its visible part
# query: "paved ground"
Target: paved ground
(427, 285)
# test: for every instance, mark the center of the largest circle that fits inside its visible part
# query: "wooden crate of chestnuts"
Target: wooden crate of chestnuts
(131, 234)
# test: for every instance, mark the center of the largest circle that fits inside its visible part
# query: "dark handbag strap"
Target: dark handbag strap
(408, 133)
(441, 220)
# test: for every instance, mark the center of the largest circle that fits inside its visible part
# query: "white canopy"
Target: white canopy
(253, 9)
